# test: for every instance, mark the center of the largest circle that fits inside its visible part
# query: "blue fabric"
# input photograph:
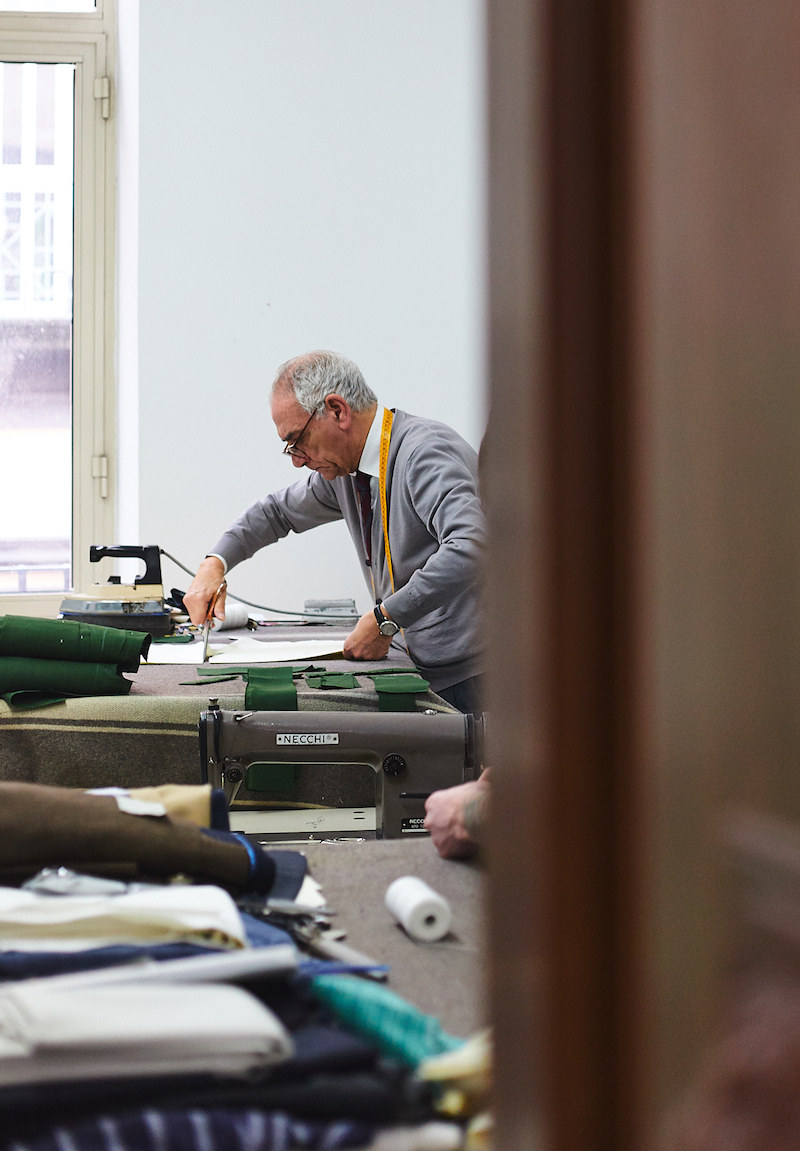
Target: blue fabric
(29, 964)
(201, 1130)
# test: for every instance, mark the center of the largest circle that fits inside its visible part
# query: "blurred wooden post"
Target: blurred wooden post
(568, 823)
(643, 482)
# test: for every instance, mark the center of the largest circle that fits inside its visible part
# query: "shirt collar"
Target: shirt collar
(370, 457)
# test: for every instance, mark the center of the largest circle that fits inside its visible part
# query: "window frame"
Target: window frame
(86, 40)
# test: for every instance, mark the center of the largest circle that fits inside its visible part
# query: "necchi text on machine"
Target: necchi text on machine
(410, 753)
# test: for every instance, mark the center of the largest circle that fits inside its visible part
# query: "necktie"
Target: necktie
(365, 503)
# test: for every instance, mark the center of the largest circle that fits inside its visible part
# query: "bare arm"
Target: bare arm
(454, 817)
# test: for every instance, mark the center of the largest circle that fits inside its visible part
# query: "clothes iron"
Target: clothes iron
(136, 607)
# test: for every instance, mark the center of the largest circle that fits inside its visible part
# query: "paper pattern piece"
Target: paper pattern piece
(247, 651)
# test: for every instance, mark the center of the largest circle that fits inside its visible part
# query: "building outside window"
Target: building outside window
(56, 318)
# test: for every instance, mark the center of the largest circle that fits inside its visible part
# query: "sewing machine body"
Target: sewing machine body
(410, 753)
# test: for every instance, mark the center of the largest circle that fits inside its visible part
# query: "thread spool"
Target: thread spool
(236, 615)
(422, 912)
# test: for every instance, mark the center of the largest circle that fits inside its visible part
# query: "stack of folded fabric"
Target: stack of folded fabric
(44, 661)
(172, 1015)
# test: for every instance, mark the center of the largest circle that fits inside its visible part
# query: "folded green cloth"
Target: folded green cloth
(54, 679)
(270, 689)
(67, 639)
(397, 692)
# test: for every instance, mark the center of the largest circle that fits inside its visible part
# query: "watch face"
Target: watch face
(389, 627)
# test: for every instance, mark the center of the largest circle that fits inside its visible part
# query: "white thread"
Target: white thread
(423, 913)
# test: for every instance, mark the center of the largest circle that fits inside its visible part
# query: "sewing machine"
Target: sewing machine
(410, 754)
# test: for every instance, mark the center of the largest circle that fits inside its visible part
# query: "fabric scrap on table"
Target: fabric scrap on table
(270, 689)
(398, 692)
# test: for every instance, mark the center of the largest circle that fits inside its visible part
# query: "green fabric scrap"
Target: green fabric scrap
(270, 689)
(220, 677)
(66, 639)
(220, 673)
(213, 669)
(397, 692)
(399, 1029)
(331, 679)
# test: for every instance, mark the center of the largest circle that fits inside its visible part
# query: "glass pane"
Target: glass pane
(36, 207)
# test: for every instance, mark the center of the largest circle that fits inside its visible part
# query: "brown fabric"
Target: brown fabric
(44, 826)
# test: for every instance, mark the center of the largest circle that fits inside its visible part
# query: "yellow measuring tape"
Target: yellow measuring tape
(383, 458)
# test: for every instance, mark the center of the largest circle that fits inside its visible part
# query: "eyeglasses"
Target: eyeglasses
(292, 449)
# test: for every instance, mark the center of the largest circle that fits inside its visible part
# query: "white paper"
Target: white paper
(246, 651)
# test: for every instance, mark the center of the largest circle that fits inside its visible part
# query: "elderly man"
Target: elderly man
(367, 461)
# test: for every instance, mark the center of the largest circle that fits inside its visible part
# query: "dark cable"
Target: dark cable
(325, 616)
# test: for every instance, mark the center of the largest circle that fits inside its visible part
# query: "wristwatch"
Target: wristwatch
(385, 626)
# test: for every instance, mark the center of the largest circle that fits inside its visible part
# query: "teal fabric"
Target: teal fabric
(398, 1028)
(66, 639)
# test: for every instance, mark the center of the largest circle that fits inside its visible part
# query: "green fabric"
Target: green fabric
(178, 637)
(29, 700)
(56, 678)
(208, 669)
(66, 639)
(270, 689)
(397, 692)
(398, 1028)
(341, 679)
(44, 661)
(277, 778)
(219, 673)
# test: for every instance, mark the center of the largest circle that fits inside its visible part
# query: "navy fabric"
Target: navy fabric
(201, 1130)
(278, 874)
(365, 507)
(31, 964)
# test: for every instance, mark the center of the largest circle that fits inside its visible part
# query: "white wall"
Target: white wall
(310, 175)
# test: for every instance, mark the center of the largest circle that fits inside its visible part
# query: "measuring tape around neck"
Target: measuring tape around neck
(383, 458)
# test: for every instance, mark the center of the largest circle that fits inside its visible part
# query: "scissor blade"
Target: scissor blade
(209, 620)
(206, 635)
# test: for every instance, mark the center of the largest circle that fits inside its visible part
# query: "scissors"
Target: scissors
(210, 619)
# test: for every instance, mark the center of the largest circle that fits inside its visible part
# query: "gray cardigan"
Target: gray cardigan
(437, 533)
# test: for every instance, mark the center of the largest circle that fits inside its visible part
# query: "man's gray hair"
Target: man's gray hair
(313, 376)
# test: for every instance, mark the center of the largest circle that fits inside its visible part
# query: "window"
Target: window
(56, 318)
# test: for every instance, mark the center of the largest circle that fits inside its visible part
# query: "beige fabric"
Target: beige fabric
(189, 801)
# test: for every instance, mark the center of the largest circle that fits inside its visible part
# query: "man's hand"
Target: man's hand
(201, 591)
(365, 641)
(453, 817)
